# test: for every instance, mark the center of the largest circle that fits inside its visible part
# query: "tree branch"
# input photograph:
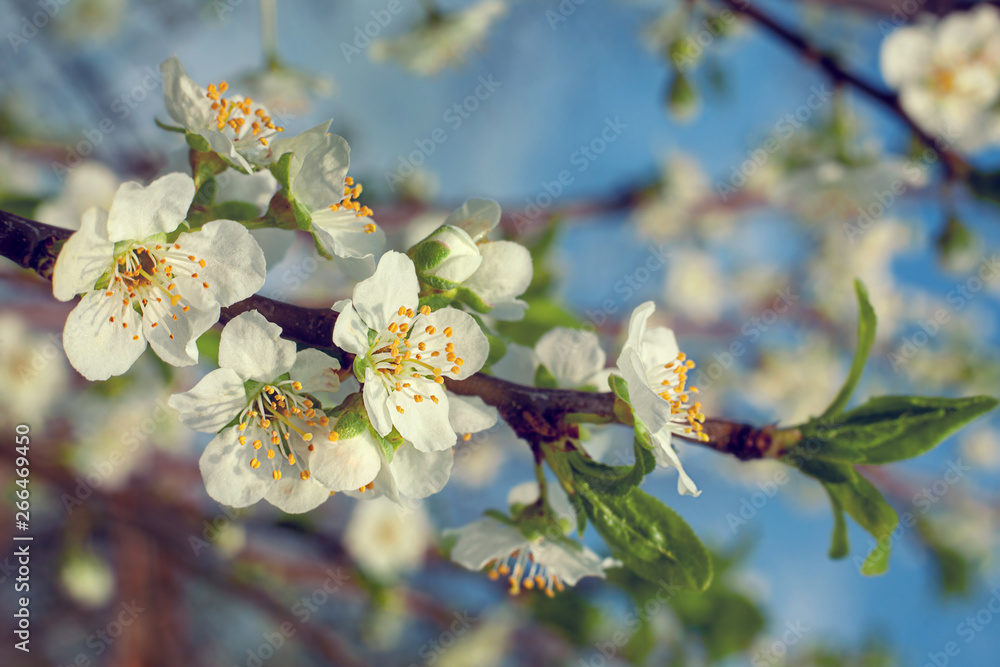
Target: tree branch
(955, 166)
(535, 414)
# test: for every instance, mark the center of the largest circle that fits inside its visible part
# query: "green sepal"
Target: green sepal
(473, 300)
(438, 300)
(359, 367)
(428, 255)
(252, 388)
(169, 128)
(439, 284)
(197, 142)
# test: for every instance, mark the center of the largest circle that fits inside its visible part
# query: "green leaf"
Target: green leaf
(866, 336)
(864, 503)
(651, 539)
(985, 185)
(892, 428)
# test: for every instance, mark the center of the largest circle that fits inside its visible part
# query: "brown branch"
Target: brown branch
(535, 414)
(955, 166)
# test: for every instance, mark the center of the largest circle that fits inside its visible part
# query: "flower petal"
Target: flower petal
(393, 284)
(476, 217)
(357, 249)
(571, 355)
(482, 541)
(566, 562)
(97, 347)
(212, 403)
(300, 144)
(185, 100)
(425, 424)
(463, 258)
(350, 332)
(346, 464)
(377, 403)
(470, 414)
(519, 365)
(176, 341)
(316, 371)
(470, 342)
(295, 495)
(320, 181)
(234, 264)
(229, 479)
(420, 474)
(663, 452)
(253, 347)
(651, 408)
(84, 258)
(504, 274)
(224, 147)
(139, 212)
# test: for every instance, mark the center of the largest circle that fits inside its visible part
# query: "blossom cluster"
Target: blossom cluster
(373, 414)
(947, 72)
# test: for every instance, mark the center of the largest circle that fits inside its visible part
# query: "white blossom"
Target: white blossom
(441, 40)
(236, 128)
(385, 540)
(459, 254)
(405, 351)
(656, 373)
(260, 402)
(547, 562)
(947, 73)
(318, 180)
(138, 287)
